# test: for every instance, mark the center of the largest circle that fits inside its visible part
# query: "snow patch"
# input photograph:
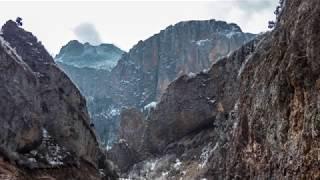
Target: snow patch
(205, 71)
(177, 165)
(108, 147)
(164, 174)
(191, 75)
(231, 34)
(9, 50)
(202, 42)
(114, 112)
(206, 154)
(124, 82)
(45, 133)
(111, 112)
(211, 100)
(244, 65)
(55, 158)
(55, 154)
(150, 106)
(152, 165)
(32, 160)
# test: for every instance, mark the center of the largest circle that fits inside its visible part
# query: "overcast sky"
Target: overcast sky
(125, 23)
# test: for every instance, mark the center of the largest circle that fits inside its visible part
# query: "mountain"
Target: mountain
(45, 127)
(142, 75)
(104, 56)
(253, 115)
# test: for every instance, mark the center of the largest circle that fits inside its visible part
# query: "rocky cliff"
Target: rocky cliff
(142, 75)
(44, 120)
(253, 115)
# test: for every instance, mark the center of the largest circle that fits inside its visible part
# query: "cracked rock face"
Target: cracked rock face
(257, 120)
(38, 97)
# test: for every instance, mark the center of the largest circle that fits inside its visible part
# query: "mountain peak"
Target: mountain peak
(77, 54)
(213, 23)
(10, 23)
(26, 41)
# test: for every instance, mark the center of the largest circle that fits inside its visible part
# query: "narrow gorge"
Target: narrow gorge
(141, 75)
(200, 100)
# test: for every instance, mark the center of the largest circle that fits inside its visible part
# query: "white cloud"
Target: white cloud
(125, 23)
(86, 32)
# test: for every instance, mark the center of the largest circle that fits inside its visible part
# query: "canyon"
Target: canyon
(199, 100)
(141, 75)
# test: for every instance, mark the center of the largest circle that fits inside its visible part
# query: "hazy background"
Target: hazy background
(125, 23)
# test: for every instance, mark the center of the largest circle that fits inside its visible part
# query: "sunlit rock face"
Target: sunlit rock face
(44, 119)
(253, 115)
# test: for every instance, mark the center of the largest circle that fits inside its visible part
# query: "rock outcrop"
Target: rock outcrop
(44, 120)
(254, 115)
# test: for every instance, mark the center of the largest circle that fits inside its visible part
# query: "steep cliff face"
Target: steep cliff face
(95, 85)
(18, 83)
(204, 97)
(44, 123)
(278, 128)
(254, 115)
(143, 74)
(191, 105)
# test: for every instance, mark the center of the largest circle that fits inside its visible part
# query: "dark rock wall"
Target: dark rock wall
(62, 105)
(44, 117)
